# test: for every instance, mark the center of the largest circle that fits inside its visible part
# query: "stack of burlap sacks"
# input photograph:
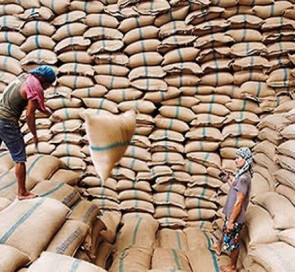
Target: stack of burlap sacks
(58, 221)
(150, 56)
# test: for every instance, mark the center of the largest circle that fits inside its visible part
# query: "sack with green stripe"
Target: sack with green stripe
(109, 137)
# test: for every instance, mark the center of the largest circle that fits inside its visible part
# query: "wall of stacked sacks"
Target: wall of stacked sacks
(200, 75)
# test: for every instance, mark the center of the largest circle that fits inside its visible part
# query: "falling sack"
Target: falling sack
(109, 136)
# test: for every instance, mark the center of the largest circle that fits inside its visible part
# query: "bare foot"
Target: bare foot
(27, 196)
(228, 268)
(216, 249)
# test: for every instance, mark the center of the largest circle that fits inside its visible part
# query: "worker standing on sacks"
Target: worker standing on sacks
(235, 207)
(27, 91)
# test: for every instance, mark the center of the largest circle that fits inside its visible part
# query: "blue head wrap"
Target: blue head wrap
(46, 71)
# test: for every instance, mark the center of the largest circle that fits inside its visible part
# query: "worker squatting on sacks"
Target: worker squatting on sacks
(25, 91)
(236, 205)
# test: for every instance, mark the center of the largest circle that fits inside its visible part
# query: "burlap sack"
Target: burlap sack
(260, 227)
(274, 257)
(150, 84)
(75, 56)
(177, 13)
(203, 260)
(266, 162)
(140, 33)
(24, 237)
(247, 35)
(12, 259)
(169, 211)
(68, 238)
(38, 41)
(279, 208)
(193, 202)
(206, 193)
(67, 176)
(211, 108)
(204, 133)
(180, 55)
(72, 29)
(132, 259)
(49, 261)
(173, 239)
(73, 163)
(88, 7)
(169, 258)
(6, 162)
(134, 22)
(240, 129)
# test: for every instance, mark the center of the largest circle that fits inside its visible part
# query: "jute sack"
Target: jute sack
(170, 158)
(137, 152)
(134, 22)
(57, 103)
(11, 9)
(183, 67)
(10, 64)
(203, 259)
(193, 202)
(180, 55)
(266, 147)
(58, 8)
(287, 236)
(101, 33)
(9, 22)
(170, 198)
(245, 49)
(277, 9)
(111, 219)
(38, 27)
(169, 211)
(41, 167)
(59, 190)
(267, 176)
(104, 20)
(215, 25)
(274, 257)
(211, 108)
(257, 2)
(147, 45)
(102, 192)
(206, 193)
(12, 259)
(38, 41)
(88, 7)
(4, 202)
(67, 176)
(179, 175)
(150, 84)
(165, 134)
(96, 91)
(93, 181)
(260, 227)
(286, 107)
(204, 133)
(247, 35)
(251, 62)
(134, 164)
(73, 163)
(288, 132)
(111, 69)
(205, 158)
(145, 59)
(100, 103)
(242, 116)
(243, 105)
(141, 33)
(281, 78)
(13, 38)
(67, 126)
(42, 13)
(281, 48)
(136, 206)
(171, 124)
(132, 259)
(194, 168)
(162, 146)
(145, 72)
(173, 239)
(103, 147)
(69, 17)
(270, 135)
(138, 230)
(68, 114)
(279, 208)
(76, 81)
(174, 186)
(70, 29)
(68, 238)
(207, 119)
(76, 69)
(74, 138)
(287, 192)
(104, 251)
(198, 16)
(170, 258)
(49, 261)
(198, 180)
(245, 21)
(197, 238)
(179, 80)
(171, 222)
(107, 204)
(285, 162)
(213, 98)
(287, 148)
(178, 112)
(285, 177)
(9, 49)
(107, 58)
(194, 146)
(142, 106)
(250, 75)
(175, 27)
(177, 13)
(75, 56)
(34, 211)
(158, 7)
(240, 129)
(266, 162)
(200, 214)
(126, 94)
(102, 46)
(121, 172)
(277, 121)
(6, 162)
(134, 194)
(125, 184)
(40, 56)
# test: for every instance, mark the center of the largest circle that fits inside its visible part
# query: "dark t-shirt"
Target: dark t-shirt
(243, 185)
